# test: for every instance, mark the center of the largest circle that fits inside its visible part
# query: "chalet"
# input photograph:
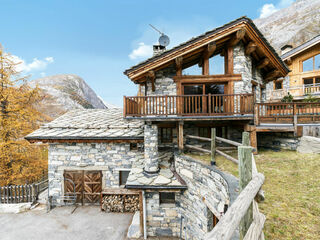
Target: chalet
(139, 149)
(304, 77)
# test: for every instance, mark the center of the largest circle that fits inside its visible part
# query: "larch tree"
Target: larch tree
(20, 161)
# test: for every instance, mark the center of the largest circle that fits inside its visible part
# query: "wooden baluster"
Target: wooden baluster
(0, 194)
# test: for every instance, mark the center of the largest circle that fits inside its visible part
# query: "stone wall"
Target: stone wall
(243, 65)
(164, 84)
(162, 219)
(203, 181)
(108, 157)
(151, 147)
(278, 141)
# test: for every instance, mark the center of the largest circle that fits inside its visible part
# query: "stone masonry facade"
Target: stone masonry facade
(110, 158)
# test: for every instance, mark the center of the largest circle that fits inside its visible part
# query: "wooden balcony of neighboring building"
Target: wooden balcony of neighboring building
(192, 106)
(298, 92)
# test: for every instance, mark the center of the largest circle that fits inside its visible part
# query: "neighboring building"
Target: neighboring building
(137, 147)
(304, 77)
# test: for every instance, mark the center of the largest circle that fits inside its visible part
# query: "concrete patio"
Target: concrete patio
(60, 223)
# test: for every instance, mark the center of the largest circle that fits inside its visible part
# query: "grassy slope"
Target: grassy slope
(292, 191)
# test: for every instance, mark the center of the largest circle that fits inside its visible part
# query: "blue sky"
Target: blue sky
(98, 40)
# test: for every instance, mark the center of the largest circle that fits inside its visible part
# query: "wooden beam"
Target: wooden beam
(213, 146)
(210, 78)
(151, 76)
(181, 143)
(250, 48)
(230, 221)
(239, 35)
(229, 61)
(211, 47)
(272, 75)
(179, 62)
(263, 63)
(245, 176)
(289, 61)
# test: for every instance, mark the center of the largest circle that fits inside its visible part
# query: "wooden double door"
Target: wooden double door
(86, 184)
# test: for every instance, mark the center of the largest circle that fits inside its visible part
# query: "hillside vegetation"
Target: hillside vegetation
(292, 191)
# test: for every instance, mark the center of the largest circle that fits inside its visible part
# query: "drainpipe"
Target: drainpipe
(144, 215)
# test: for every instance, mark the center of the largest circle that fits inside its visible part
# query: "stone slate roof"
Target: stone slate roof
(206, 34)
(90, 124)
(165, 179)
(302, 47)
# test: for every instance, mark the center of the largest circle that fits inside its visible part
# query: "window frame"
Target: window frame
(121, 177)
(164, 202)
(278, 82)
(170, 137)
(313, 63)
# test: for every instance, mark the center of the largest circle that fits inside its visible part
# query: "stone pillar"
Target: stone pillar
(151, 148)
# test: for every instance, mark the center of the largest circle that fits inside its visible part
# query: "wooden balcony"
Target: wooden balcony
(293, 113)
(296, 91)
(189, 105)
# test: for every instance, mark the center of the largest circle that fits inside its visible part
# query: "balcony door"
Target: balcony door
(203, 98)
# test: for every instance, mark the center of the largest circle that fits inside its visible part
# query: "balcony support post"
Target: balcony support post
(180, 139)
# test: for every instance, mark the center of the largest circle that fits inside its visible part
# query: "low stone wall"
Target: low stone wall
(202, 181)
(278, 141)
(107, 157)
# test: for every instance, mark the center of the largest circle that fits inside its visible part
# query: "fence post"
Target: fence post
(213, 146)
(245, 176)
(246, 139)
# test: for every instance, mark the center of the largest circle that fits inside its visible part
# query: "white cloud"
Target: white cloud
(35, 65)
(142, 51)
(43, 74)
(175, 29)
(269, 8)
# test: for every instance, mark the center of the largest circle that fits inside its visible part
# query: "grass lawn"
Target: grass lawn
(292, 191)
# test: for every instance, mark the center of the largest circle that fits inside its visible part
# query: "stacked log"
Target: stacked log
(131, 203)
(113, 203)
(120, 203)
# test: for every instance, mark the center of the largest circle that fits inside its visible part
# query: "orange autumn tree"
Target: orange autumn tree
(20, 161)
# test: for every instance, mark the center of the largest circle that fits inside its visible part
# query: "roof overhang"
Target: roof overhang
(34, 139)
(217, 35)
(303, 47)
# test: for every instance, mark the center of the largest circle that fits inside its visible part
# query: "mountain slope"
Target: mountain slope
(293, 25)
(65, 92)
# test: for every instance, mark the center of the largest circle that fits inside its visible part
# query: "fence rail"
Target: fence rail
(22, 193)
(189, 105)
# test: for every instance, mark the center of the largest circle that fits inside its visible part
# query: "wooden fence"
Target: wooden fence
(22, 193)
(244, 212)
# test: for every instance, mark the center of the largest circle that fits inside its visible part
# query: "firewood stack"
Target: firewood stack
(131, 203)
(120, 203)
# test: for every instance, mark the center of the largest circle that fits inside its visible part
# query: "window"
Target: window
(278, 85)
(167, 198)
(133, 146)
(166, 135)
(216, 65)
(204, 132)
(311, 64)
(123, 176)
(308, 81)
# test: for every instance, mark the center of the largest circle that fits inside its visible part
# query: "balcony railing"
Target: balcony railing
(296, 91)
(189, 105)
(287, 112)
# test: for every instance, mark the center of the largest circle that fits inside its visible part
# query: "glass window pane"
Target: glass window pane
(193, 90)
(307, 81)
(278, 85)
(123, 177)
(215, 88)
(308, 65)
(216, 65)
(317, 62)
(192, 70)
(317, 80)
